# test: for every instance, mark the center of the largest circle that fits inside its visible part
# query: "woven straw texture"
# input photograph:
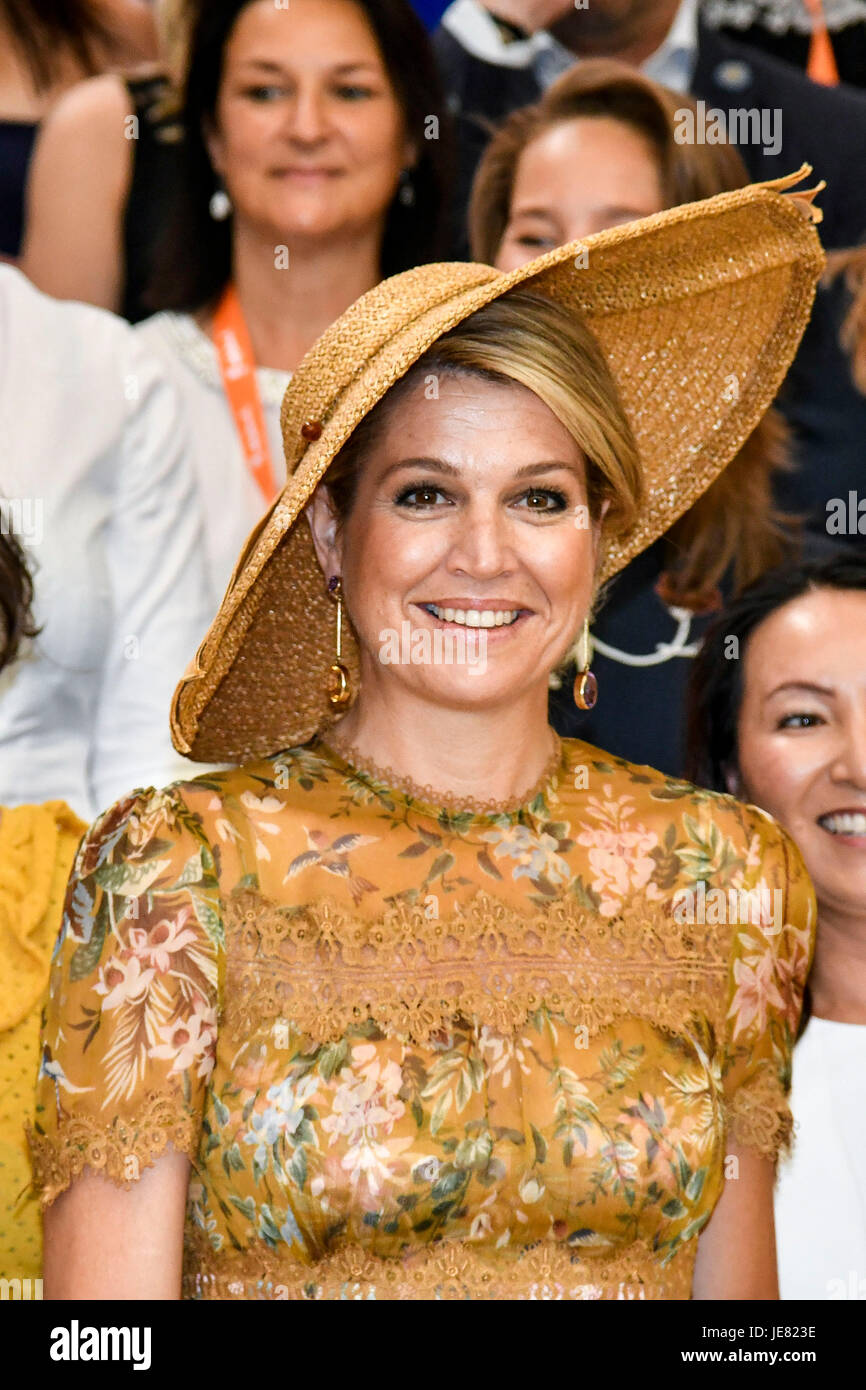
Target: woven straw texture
(698, 310)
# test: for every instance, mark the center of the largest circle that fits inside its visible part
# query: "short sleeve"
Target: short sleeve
(129, 1030)
(772, 942)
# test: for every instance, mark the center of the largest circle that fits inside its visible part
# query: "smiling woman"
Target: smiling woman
(778, 715)
(311, 166)
(406, 988)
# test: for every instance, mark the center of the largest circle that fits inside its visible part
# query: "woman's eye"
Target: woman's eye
(544, 500)
(265, 93)
(534, 240)
(800, 721)
(351, 91)
(425, 495)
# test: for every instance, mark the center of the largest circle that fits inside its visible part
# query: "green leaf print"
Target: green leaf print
(84, 960)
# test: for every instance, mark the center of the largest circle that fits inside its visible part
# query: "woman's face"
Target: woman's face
(575, 179)
(802, 736)
(469, 524)
(309, 136)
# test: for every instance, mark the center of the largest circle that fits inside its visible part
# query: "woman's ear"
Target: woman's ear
(323, 524)
(214, 144)
(732, 780)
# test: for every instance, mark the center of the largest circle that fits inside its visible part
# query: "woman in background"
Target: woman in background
(96, 484)
(313, 167)
(103, 174)
(778, 718)
(598, 150)
(44, 50)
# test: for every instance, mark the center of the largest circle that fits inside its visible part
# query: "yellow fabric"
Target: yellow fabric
(37, 846)
(425, 1050)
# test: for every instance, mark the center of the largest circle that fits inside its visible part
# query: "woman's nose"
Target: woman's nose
(850, 762)
(481, 542)
(306, 119)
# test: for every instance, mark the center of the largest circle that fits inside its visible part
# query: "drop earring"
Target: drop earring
(585, 685)
(406, 192)
(339, 687)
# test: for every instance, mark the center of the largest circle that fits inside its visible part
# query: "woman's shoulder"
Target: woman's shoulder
(595, 782)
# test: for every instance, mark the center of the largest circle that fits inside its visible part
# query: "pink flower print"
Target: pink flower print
(122, 981)
(757, 987)
(190, 1040)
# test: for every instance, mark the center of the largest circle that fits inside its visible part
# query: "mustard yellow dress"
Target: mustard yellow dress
(37, 845)
(425, 1050)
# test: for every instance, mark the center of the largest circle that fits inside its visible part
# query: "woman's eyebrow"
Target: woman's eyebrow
(435, 465)
(801, 685)
(270, 66)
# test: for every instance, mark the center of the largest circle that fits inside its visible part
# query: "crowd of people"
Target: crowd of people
(545, 331)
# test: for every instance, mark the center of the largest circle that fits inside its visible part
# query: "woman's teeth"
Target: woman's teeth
(474, 617)
(846, 823)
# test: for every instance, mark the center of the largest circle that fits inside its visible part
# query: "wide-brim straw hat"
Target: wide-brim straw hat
(698, 311)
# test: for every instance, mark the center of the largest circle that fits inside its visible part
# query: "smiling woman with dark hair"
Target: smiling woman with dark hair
(314, 163)
(778, 717)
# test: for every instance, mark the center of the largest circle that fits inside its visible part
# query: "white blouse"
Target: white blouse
(231, 500)
(95, 481)
(820, 1200)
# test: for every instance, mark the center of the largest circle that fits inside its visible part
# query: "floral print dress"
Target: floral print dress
(426, 1050)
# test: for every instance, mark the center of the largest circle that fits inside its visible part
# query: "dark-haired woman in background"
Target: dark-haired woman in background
(600, 149)
(778, 718)
(314, 167)
(37, 844)
(45, 49)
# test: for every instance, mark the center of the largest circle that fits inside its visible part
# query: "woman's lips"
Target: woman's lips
(846, 827)
(495, 619)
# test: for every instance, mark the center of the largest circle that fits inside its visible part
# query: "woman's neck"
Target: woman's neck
(290, 295)
(497, 755)
(837, 981)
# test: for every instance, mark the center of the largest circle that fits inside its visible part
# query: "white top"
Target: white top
(98, 488)
(473, 26)
(232, 503)
(821, 1194)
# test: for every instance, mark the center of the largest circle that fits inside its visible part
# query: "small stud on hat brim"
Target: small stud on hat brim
(682, 304)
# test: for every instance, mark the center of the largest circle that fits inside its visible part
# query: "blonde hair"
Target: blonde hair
(529, 339)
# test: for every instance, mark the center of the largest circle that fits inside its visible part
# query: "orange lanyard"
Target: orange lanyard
(238, 372)
(822, 60)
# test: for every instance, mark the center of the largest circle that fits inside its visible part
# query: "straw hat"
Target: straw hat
(698, 310)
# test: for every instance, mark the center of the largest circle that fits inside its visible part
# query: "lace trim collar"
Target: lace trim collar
(349, 760)
(195, 347)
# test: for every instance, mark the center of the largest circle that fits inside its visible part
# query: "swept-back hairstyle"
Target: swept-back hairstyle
(414, 232)
(716, 681)
(734, 526)
(527, 338)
